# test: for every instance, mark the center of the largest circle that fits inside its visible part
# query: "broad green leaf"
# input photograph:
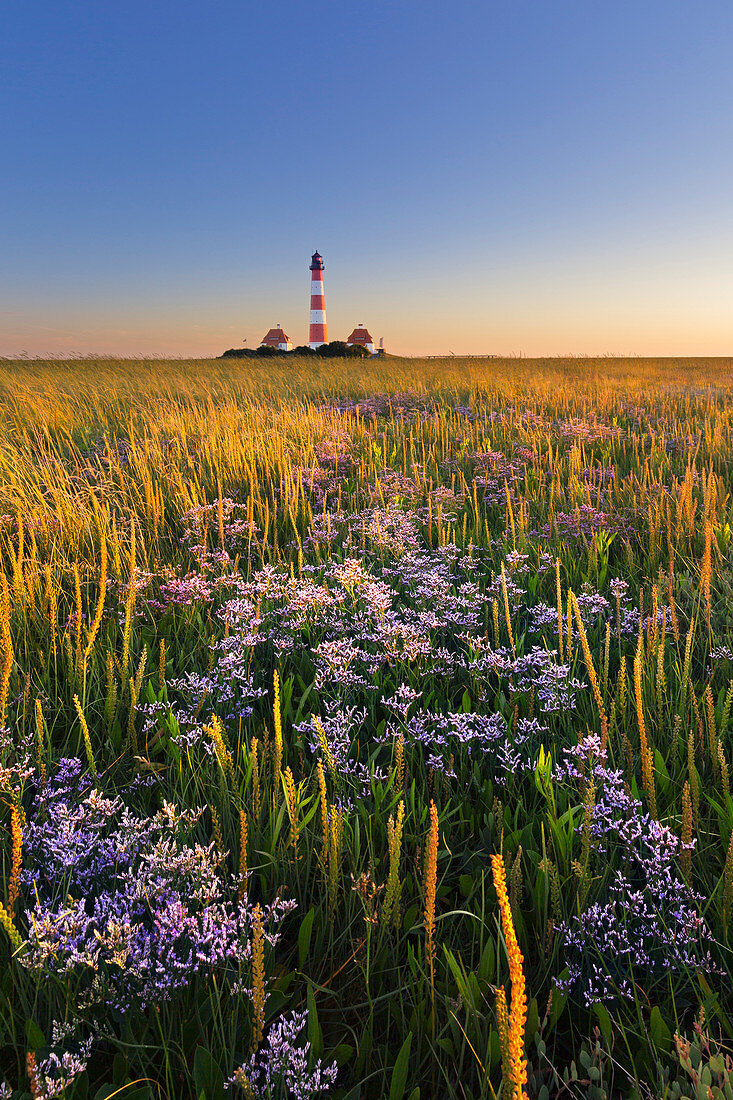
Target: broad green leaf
(207, 1076)
(304, 937)
(400, 1071)
(315, 1035)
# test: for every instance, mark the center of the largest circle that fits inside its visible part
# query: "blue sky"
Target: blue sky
(530, 177)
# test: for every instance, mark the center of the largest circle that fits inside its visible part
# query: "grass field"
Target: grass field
(366, 729)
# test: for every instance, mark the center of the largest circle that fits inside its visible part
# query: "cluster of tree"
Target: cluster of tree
(336, 349)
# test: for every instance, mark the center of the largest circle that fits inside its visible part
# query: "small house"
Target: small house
(361, 336)
(276, 338)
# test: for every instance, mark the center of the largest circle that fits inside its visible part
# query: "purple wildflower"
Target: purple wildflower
(284, 1064)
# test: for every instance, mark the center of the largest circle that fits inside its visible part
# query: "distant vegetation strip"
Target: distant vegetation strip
(336, 349)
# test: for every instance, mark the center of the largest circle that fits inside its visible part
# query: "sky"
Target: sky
(536, 178)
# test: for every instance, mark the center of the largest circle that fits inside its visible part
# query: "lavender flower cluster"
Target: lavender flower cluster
(341, 727)
(584, 523)
(503, 753)
(283, 1064)
(425, 610)
(58, 1071)
(130, 907)
(646, 922)
(537, 672)
(360, 620)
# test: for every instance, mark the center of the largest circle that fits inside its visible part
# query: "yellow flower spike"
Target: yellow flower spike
(217, 834)
(587, 656)
(161, 666)
(723, 765)
(9, 925)
(686, 838)
(241, 1079)
(647, 766)
(31, 1067)
(518, 1009)
(258, 977)
(507, 616)
(7, 645)
(243, 834)
(390, 906)
(256, 796)
(17, 858)
(399, 768)
(292, 809)
(278, 763)
(694, 782)
(324, 806)
(334, 855)
(502, 1024)
(39, 744)
(87, 738)
(325, 747)
(215, 730)
(431, 881)
(558, 593)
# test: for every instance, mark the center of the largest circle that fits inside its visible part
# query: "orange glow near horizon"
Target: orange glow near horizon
(542, 336)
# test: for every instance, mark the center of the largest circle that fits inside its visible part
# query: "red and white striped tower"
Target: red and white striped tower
(318, 332)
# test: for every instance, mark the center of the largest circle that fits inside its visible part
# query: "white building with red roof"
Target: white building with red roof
(276, 338)
(361, 336)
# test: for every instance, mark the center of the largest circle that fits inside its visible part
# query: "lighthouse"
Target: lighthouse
(318, 333)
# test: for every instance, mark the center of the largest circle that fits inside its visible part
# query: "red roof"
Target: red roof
(274, 337)
(360, 336)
